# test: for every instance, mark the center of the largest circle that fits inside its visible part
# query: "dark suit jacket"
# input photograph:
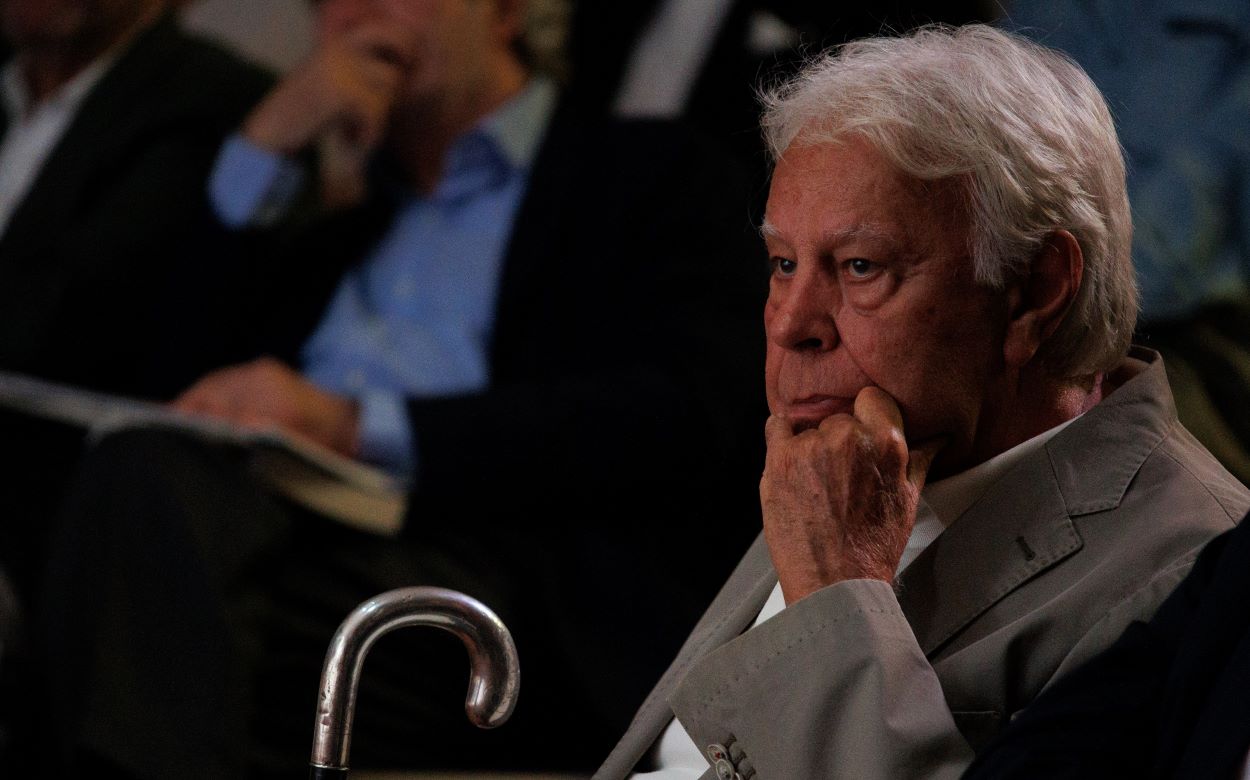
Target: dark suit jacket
(119, 207)
(1168, 699)
(94, 256)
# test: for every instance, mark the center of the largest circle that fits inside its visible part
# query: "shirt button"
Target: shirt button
(717, 752)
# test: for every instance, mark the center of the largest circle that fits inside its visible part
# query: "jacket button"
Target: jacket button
(716, 752)
(725, 770)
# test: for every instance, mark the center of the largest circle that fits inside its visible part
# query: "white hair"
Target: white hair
(1019, 128)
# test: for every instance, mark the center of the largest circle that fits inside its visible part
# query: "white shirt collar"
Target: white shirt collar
(951, 497)
(942, 502)
(65, 99)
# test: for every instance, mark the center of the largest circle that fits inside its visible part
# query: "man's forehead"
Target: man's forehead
(846, 192)
(833, 236)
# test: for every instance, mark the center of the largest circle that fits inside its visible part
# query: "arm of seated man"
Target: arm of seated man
(337, 103)
(836, 683)
(267, 393)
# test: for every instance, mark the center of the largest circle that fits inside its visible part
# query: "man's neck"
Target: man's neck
(420, 140)
(47, 67)
(1039, 402)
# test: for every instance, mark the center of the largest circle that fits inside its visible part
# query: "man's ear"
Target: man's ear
(1039, 299)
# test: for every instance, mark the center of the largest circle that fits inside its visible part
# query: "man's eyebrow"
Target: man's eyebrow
(834, 238)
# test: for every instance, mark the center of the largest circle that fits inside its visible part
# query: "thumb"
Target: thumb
(920, 459)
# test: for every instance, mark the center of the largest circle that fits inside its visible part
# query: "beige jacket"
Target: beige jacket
(1045, 570)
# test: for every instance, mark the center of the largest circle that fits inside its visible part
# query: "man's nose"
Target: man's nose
(802, 316)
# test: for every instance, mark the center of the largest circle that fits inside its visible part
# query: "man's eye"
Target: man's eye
(859, 268)
(784, 267)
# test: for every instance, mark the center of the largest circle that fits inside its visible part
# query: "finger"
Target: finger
(202, 406)
(920, 459)
(777, 431)
(876, 409)
(193, 399)
(256, 421)
(365, 128)
(185, 404)
(219, 393)
(379, 79)
(385, 42)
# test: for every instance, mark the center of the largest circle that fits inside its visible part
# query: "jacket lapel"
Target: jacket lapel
(991, 550)
(1023, 524)
(734, 608)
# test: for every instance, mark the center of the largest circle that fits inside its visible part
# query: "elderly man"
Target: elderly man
(971, 485)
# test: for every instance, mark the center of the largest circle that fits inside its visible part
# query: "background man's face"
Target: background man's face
(872, 285)
(454, 41)
(43, 22)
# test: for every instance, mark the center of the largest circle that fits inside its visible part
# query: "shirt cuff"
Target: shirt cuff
(385, 435)
(251, 186)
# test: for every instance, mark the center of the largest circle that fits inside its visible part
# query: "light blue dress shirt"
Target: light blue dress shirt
(415, 319)
(1176, 75)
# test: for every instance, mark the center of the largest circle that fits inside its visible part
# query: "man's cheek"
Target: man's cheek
(337, 18)
(862, 361)
(772, 379)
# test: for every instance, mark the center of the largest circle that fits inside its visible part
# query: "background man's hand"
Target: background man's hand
(839, 501)
(266, 393)
(337, 101)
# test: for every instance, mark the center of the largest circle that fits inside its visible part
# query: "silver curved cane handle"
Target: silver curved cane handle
(494, 672)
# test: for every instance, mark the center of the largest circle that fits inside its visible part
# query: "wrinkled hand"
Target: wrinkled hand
(839, 501)
(266, 393)
(337, 101)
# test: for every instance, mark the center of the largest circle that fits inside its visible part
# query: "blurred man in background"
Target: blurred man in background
(545, 324)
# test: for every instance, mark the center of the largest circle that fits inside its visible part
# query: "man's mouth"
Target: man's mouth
(808, 412)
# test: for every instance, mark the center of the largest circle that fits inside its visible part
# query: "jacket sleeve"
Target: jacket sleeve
(834, 685)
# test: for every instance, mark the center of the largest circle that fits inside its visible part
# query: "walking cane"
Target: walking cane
(494, 672)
